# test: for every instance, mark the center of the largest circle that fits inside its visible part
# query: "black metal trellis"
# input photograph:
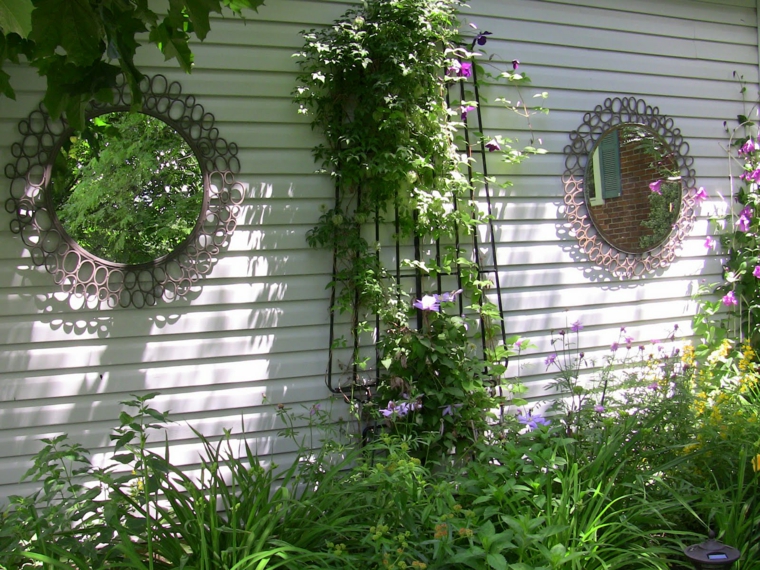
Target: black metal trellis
(356, 384)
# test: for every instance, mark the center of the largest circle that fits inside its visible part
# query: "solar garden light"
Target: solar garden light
(711, 554)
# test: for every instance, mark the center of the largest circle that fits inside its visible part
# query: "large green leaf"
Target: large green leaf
(16, 17)
(199, 11)
(70, 24)
(173, 43)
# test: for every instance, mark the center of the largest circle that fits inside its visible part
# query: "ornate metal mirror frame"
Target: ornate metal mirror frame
(608, 116)
(78, 271)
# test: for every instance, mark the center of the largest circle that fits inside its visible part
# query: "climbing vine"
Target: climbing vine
(390, 87)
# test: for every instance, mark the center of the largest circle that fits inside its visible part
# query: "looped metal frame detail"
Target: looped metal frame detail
(612, 113)
(78, 271)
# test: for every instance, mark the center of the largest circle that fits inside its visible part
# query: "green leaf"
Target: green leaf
(70, 24)
(5, 86)
(16, 17)
(237, 6)
(173, 44)
(199, 11)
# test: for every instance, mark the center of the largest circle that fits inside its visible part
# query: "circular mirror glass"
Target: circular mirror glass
(633, 188)
(128, 190)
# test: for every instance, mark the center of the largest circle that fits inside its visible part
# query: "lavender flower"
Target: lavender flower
(549, 360)
(577, 326)
(450, 410)
(447, 297)
(628, 341)
(599, 409)
(532, 421)
(427, 303)
(614, 346)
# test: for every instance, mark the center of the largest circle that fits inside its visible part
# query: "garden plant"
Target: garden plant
(635, 456)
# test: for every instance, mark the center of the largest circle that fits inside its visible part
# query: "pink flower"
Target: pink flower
(756, 271)
(730, 299)
(749, 146)
(751, 176)
(709, 242)
(742, 224)
(701, 195)
(655, 187)
(465, 69)
(599, 409)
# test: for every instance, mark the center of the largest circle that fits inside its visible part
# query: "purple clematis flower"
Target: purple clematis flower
(730, 299)
(532, 421)
(742, 224)
(465, 69)
(751, 175)
(749, 147)
(493, 145)
(450, 410)
(465, 110)
(481, 39)
(427, 303)
(701, 195)
(447, 297)
(655, 187)
(515, 64)
(756, 271)
(577, 326)
(709, 242)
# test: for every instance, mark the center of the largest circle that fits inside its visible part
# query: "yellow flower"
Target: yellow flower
(756, 463)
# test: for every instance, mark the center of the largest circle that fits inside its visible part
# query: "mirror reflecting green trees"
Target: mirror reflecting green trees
(130, 190)
(633, 188)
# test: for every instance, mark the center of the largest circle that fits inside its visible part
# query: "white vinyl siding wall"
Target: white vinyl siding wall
(258, 324)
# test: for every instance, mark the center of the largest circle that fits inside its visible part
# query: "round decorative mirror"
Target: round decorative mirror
(134, 208)
(629, 187)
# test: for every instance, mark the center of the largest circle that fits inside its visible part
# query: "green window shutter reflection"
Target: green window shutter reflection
(609, 161)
